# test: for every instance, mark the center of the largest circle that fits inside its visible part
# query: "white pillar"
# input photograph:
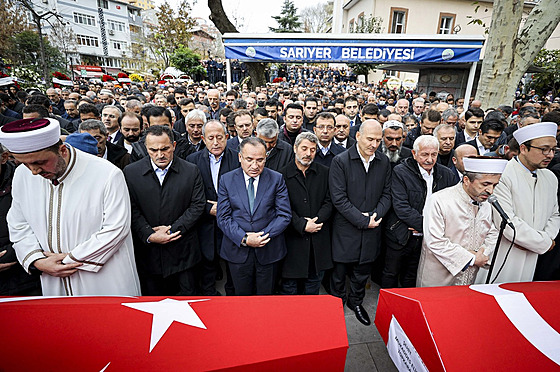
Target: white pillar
(470, 83)
(228, 74)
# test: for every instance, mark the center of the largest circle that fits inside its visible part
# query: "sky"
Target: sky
(255, 15)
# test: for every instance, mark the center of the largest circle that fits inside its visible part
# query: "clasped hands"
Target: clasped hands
(163, 235)
(372, 222)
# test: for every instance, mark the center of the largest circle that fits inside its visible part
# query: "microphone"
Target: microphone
(493, 199)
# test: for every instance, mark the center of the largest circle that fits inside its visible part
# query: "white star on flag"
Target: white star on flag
(166, 312)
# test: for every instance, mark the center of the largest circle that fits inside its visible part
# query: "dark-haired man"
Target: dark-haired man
(166, 242)
(489, 132)
(293, 123)
(310, 111)
(473, 120)
(324, 130)
(430, 120)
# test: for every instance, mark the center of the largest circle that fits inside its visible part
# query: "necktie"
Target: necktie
(251, 194)
(110, 139)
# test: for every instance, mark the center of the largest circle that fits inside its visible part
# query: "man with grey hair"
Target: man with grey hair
(418, 105)
(278, 153)
(308, 235)
(213, 161)
(194, 122)
(393, 138)
(450, 116)
(106, 150)
(402, 107)
(445, 134)
(239, 104)
(133, 105)
(413, 182)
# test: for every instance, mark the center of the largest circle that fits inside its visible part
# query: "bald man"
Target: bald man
(360, 181)
(461, 152)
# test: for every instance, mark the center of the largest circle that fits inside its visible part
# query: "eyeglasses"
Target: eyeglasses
(545, 150)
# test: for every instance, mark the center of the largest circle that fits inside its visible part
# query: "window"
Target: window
(135, 29)
(116, 25)
(84, 19)
(88, 40)
(118, 44)
(103, 4)
(351, 25)
(446, 23)
(360, 23)
(398, 20)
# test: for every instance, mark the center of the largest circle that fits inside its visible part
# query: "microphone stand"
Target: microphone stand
(500, 234)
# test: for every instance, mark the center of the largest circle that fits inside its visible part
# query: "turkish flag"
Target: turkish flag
(506, 327)
(179, 333)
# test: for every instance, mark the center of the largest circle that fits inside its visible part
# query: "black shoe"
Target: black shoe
(361, 315)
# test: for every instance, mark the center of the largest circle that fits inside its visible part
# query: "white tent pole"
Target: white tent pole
(470, 83)
(228, 74)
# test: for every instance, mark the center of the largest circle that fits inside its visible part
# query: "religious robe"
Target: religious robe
(532, 205)
(453, 225)
(87, 216)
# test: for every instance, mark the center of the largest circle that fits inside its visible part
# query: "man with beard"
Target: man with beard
(393, 137)
(445, 134)
(413, 182)
(308, 235)
(130, 125)
(528, 194)
(326, 148)
(459, 235)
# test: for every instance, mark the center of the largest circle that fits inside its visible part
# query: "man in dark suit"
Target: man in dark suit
(445, 135)
(293, 123)
(213, 161)
(278, 153)
(489, 132)
(326, 148)
(369, 111)
(243, 122)
(253, 212)
(167, 199)
(392, 145)
(359, 180)
(430, 120)
(106, 150)
(308, 236)
(473, 120)
(342, 132)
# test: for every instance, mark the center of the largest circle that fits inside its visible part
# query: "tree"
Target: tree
(188, 61)
(65, 40)
(173, 30)
(12, 23)
(223, 24)
(288, 20)
(25, 53)
(370, 25)
(549, 79)
(38, 17)
(317, 19)
(507, 58)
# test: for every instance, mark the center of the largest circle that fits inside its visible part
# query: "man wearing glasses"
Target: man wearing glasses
(326, 148)
(253, 212)
(528, 194)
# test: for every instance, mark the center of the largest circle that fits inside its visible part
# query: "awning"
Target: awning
(353, 48)
(113, 70)
(89, 74)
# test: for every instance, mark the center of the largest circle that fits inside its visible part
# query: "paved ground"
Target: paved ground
(367, 351)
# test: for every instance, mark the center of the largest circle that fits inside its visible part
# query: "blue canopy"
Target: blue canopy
(353, 48)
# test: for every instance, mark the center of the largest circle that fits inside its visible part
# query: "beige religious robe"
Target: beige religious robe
(531, 204)
(87, 216)
(453, 225)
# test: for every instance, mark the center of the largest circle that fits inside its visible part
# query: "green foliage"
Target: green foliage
(288, 20)
(173, 30)
(24, 52)
(369, 25)
(549, 79)
(187, 61)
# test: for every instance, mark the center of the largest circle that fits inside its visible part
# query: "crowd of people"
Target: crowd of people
(149, 189)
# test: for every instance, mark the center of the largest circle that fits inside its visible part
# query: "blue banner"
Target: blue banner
(352, 54)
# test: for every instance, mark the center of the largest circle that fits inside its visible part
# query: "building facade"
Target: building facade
(105, 33)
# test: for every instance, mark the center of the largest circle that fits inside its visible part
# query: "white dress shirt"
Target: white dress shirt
(255, 182)
(366, 162)
(160, 173)
(215, 169)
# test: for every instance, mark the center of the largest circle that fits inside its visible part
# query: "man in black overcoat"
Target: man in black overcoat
(308, 236)
(167, 199)
(359, 182)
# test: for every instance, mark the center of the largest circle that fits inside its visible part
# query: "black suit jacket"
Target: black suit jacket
(209, 235)
(354, 192)
(178, 202)
(309, 197)
(475, 145)
(326, 160)
(280, 156)
(117, 155)
(182, 149)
